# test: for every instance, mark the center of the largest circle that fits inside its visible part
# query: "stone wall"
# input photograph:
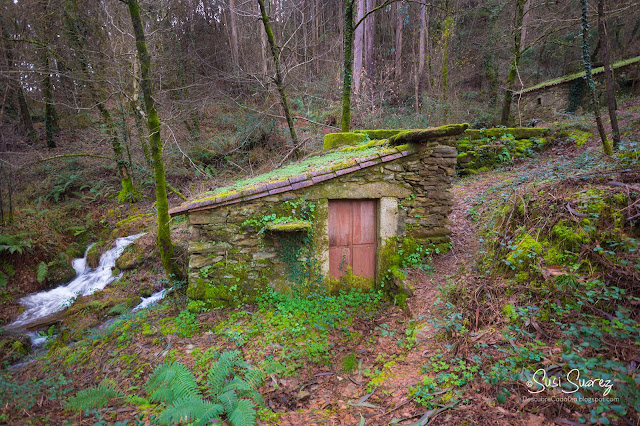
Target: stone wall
(543, 104)
(233, 255)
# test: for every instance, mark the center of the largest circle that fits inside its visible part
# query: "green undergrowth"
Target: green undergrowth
(554, 311)
(481, 152)
(294, 329)
(397, 256)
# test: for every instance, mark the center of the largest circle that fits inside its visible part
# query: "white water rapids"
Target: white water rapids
(87, 281)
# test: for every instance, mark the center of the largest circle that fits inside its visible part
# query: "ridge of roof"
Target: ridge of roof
(330, 164)
(293, 183)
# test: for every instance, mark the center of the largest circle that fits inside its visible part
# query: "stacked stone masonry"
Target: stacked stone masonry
(229, 255)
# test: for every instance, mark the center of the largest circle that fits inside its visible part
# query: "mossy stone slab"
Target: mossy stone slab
(333, 140)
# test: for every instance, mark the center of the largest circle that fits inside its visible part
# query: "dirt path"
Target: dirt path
(342, 399)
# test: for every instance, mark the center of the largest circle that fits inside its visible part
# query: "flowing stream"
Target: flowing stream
(87, 281)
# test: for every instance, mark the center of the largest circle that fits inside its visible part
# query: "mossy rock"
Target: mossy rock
(297, 226)
(13, 348)
(425, 135)
(131, 257)
(379, 134)
(333, 140)
(60, 271)
(74, 251)
(93, 256)
(525, 252)
(146, 291)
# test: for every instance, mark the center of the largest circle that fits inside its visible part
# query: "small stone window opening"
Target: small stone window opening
(539, 100)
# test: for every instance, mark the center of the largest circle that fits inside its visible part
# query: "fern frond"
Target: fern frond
(95, 397)
(244, 389)
(190, 409)
(218, 374)
(255, 378)
(171, 381)
(229, 400)
(244, 414)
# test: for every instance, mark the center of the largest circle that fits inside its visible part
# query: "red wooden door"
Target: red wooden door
(352, 237)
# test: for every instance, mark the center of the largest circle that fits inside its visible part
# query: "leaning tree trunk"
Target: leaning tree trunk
(276, 63)
(75, 28)
(608, 72)
(165, 247)
(513, 71)
(606, 145)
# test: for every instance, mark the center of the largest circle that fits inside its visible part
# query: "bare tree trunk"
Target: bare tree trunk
(233, 37)
(606, 145)
(422, 38)
(358, 42)
(165, 247)
(525, 22)
(608, 72)
(315, 34)
(370, 32)
(264, 46)
(279, 82)
(398, 52)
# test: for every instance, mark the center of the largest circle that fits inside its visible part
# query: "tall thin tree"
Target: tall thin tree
(586, 58)
(608, 72)
(275, 53)
(165, 247)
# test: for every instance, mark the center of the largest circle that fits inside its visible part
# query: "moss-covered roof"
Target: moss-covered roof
(574, 76)
(318, 168)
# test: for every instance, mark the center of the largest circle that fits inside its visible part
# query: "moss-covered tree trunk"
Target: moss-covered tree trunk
(276, 63)
(513, 70)
(165, 247)
(586, 58)
(127, 192)
(347, 71)
(608, 72)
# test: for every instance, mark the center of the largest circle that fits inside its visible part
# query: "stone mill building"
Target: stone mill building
(342, 218)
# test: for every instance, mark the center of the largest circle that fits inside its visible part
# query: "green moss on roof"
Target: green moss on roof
(570, 77)
(380, 133)
(319, 162)
(333, 140)
(337, 159)
(363, 146)
(416, 136)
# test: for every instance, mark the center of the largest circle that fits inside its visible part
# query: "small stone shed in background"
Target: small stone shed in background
(335, 220)
(568, 94)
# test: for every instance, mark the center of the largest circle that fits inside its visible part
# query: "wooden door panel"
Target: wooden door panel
(339, 257)
(364, 260)
(340, 223)
(353, 234)
(364, 222)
